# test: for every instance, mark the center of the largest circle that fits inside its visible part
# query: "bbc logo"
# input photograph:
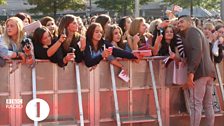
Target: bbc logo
(14, 103)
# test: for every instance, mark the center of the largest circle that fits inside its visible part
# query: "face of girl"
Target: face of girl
(207, 31)
(142, 28)
(73, 26)
(127, 23)
(116, 35)
(169, 33)
(97, 35)
(108, 23)
(26, 22)
(11, 28)
(221, 32)
(80, 25)
(51, 26)
(46, 38)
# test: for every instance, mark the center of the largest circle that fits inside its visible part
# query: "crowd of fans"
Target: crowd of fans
(89, 41)
(70, 38)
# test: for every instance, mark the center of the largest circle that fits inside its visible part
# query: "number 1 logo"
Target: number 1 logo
(41, 107)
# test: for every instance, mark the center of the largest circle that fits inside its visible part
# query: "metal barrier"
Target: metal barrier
(58, 87)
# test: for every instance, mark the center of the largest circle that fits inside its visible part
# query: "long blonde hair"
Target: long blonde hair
(20, 33)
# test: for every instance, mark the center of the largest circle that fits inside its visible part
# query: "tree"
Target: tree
(2, 2)
(118, 6)
(208, 4)
(53, 6)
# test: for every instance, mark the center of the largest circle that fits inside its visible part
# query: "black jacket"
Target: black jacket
(90, 61)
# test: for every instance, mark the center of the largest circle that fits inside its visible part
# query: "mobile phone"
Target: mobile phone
(104, 47)
(110, 49)
(160, 31)
(71, 50)
(64, 31)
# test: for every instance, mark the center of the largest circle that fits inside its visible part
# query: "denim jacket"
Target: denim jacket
(7, 51)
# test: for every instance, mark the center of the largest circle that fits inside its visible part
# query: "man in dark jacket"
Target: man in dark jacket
(201, 71)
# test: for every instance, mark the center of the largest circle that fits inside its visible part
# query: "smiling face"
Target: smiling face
(169, 33)
(51, 26)
(26, 22)
(73, 26)
(46, 38)
(184, 23)
(97, 34)
(207, 31)
(221, 32)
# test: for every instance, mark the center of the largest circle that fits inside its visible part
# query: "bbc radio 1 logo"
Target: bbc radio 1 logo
(14, 103)
(42, 108)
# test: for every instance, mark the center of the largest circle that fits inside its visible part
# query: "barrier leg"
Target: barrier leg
(115, 95)
(79, 94)
(34, 91)
(155, 93)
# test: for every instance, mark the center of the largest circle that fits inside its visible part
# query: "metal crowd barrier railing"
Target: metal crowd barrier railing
(97, 97)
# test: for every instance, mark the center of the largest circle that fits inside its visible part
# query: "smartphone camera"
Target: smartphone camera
(161, 31)
(71, 50)
(64, 31)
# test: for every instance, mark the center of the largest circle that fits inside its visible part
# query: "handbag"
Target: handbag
(179, 73)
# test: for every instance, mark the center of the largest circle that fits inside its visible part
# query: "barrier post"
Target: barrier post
(34, 91)
(115, 95)
(155, 93)
(79, 94)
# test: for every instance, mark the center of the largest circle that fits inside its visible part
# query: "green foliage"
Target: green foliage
(211, 4)
(2, 2)
(208, 4)
(119, 6)
(52, 6)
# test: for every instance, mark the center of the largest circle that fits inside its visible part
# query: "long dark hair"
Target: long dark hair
(23, 16)
(122, 23)
(44, 22)
(38, 34)
(102, 19)
(64, 22)
(164, 49)
(110, 35)
(89, 35)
